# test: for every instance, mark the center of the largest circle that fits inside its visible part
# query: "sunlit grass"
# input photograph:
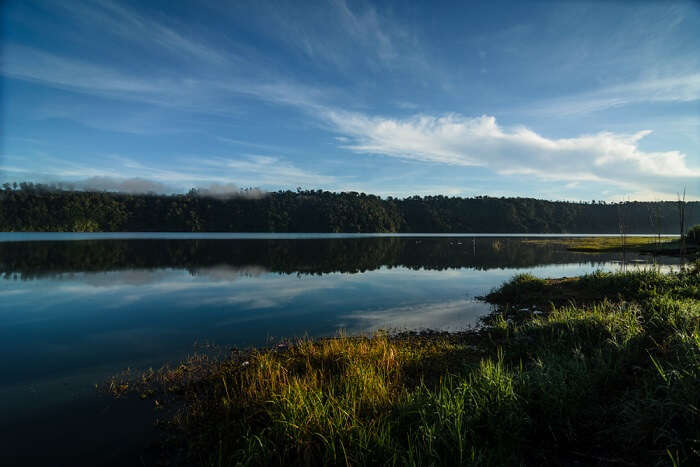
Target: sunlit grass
(616, 380)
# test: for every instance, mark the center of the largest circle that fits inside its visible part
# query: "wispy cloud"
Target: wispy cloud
(335, 33)
(210, 95)
(131, 26)
(96, 79)
(34, 65)
(368, 28)
(214, 176)
(268, 170)
(684, 88)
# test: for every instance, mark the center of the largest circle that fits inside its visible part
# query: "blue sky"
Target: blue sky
(556, 100)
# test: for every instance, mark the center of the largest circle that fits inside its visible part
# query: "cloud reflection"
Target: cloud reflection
(450, 315)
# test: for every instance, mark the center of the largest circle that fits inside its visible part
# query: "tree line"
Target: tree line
(36, 207)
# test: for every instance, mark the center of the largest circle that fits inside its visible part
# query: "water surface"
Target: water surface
(72, 312)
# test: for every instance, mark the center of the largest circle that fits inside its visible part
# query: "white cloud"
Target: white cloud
(461, 141)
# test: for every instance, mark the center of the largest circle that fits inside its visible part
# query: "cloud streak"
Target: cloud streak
(201, 93)
(128, 25)
(674, 89)
(267, 170)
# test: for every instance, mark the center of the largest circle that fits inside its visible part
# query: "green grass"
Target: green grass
(613, 381)
(525, 290)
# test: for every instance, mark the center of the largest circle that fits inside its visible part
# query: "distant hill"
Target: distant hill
(31, 207)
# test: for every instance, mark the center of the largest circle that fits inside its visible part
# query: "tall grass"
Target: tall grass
(614, 381)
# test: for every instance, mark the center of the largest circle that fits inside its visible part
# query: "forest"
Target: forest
(43, 208)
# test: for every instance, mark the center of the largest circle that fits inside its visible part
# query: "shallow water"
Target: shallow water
(72, 313)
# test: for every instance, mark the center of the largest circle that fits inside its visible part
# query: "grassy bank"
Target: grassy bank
(614, 379)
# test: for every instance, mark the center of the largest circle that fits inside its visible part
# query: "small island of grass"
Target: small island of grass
(597, 370)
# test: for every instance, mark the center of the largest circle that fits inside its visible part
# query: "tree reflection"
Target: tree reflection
(30, 260)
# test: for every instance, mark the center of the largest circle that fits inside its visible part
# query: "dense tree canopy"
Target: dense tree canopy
(30, 207)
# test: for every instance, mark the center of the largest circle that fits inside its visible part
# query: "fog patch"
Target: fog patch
(142, 186)
(229, 190)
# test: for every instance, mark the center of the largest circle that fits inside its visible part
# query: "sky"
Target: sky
(553, 100)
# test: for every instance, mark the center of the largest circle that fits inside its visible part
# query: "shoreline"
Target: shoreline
(20, 236)
(542, 380)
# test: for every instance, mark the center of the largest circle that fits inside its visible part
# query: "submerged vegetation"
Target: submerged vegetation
(601, 369)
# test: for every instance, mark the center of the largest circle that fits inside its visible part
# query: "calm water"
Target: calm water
(72, 312)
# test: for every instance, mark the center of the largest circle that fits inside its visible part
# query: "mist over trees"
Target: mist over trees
(31, 207)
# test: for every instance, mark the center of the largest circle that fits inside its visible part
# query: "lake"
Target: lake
(78, 308)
